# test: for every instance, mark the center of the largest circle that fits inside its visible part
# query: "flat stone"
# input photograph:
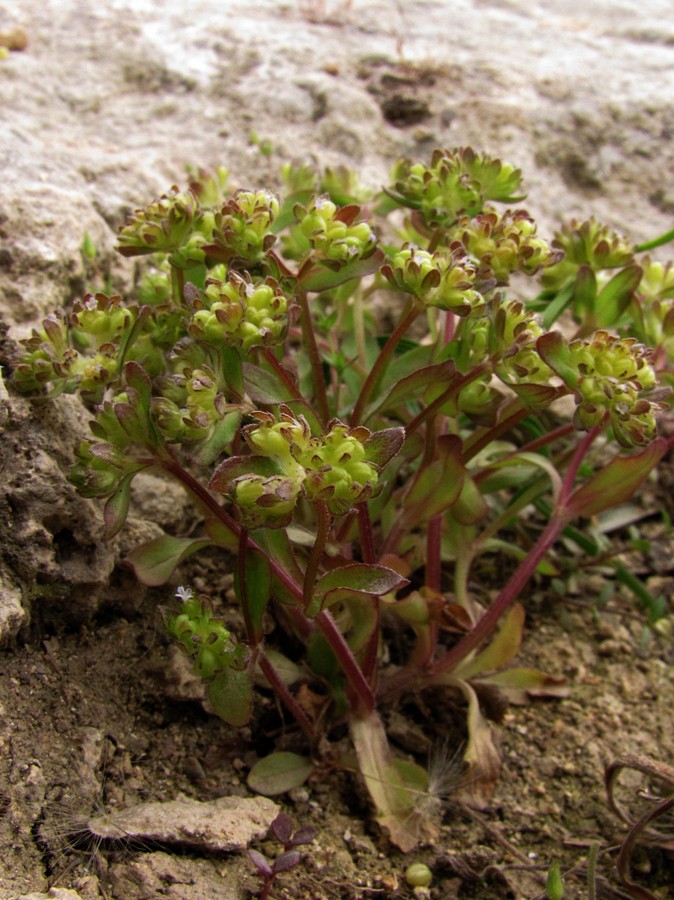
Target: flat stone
(222, 825)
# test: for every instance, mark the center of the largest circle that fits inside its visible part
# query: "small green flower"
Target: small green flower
(454, 183)
(337, 470)
(242, 230)
(265, 502)
(163, 226)
(505, 243)
(241, 312)
(586, 244)
(513, 340)
(613, 382)
(190, 407)
(441, 279)
(284, 441)
(334, 233)
(99, 319)
(201, 636)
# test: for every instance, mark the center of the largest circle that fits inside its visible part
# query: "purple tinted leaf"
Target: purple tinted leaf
(411, 386)
(383, 445)
(436, 486)
(235, 466)
(362, 578)
(261, 863)
(285, 861)
(304, 835)
(282, 828)
(117, 507)
(616, 482)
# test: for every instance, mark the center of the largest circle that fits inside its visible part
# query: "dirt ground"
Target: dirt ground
(101, 111)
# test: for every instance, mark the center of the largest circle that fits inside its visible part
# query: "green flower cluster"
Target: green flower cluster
(163, 226)
(456, 182)
(505, 243)
(192, 403)
(612, 379)
(240, 312)
(242, 229)
(656, 307)
(333, 231)
(289, 461)
(337, 469)
(201, 636)
(442, 279)
(586, 244)
(513, 339)
(52, 366)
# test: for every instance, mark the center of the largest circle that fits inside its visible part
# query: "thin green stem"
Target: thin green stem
(323, 523)
(656, 242)
(251, 632)
(309, 336)
(359, 328)
(177, 285)
(411, 311)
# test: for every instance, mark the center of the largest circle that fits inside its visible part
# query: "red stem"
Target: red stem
(362, 693)
(281, 690)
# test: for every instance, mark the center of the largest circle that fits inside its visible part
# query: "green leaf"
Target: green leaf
(279, 772)
(521, 685)
(262, 386)
(155, 561)
(470, 506)
(315, 278)
(585, 291)
(554, 350)
(232, 369)
(556, 306)
(257, 593)
(117, 507)
(616, 482)
(231, 696)
(361, 578)
(411, 386)
(554, 886)
(616, 296)
(220, 440)
(503, 647)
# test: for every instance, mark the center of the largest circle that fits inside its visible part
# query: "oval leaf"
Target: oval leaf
(231, 696)
(279, 772)
(154, 562)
